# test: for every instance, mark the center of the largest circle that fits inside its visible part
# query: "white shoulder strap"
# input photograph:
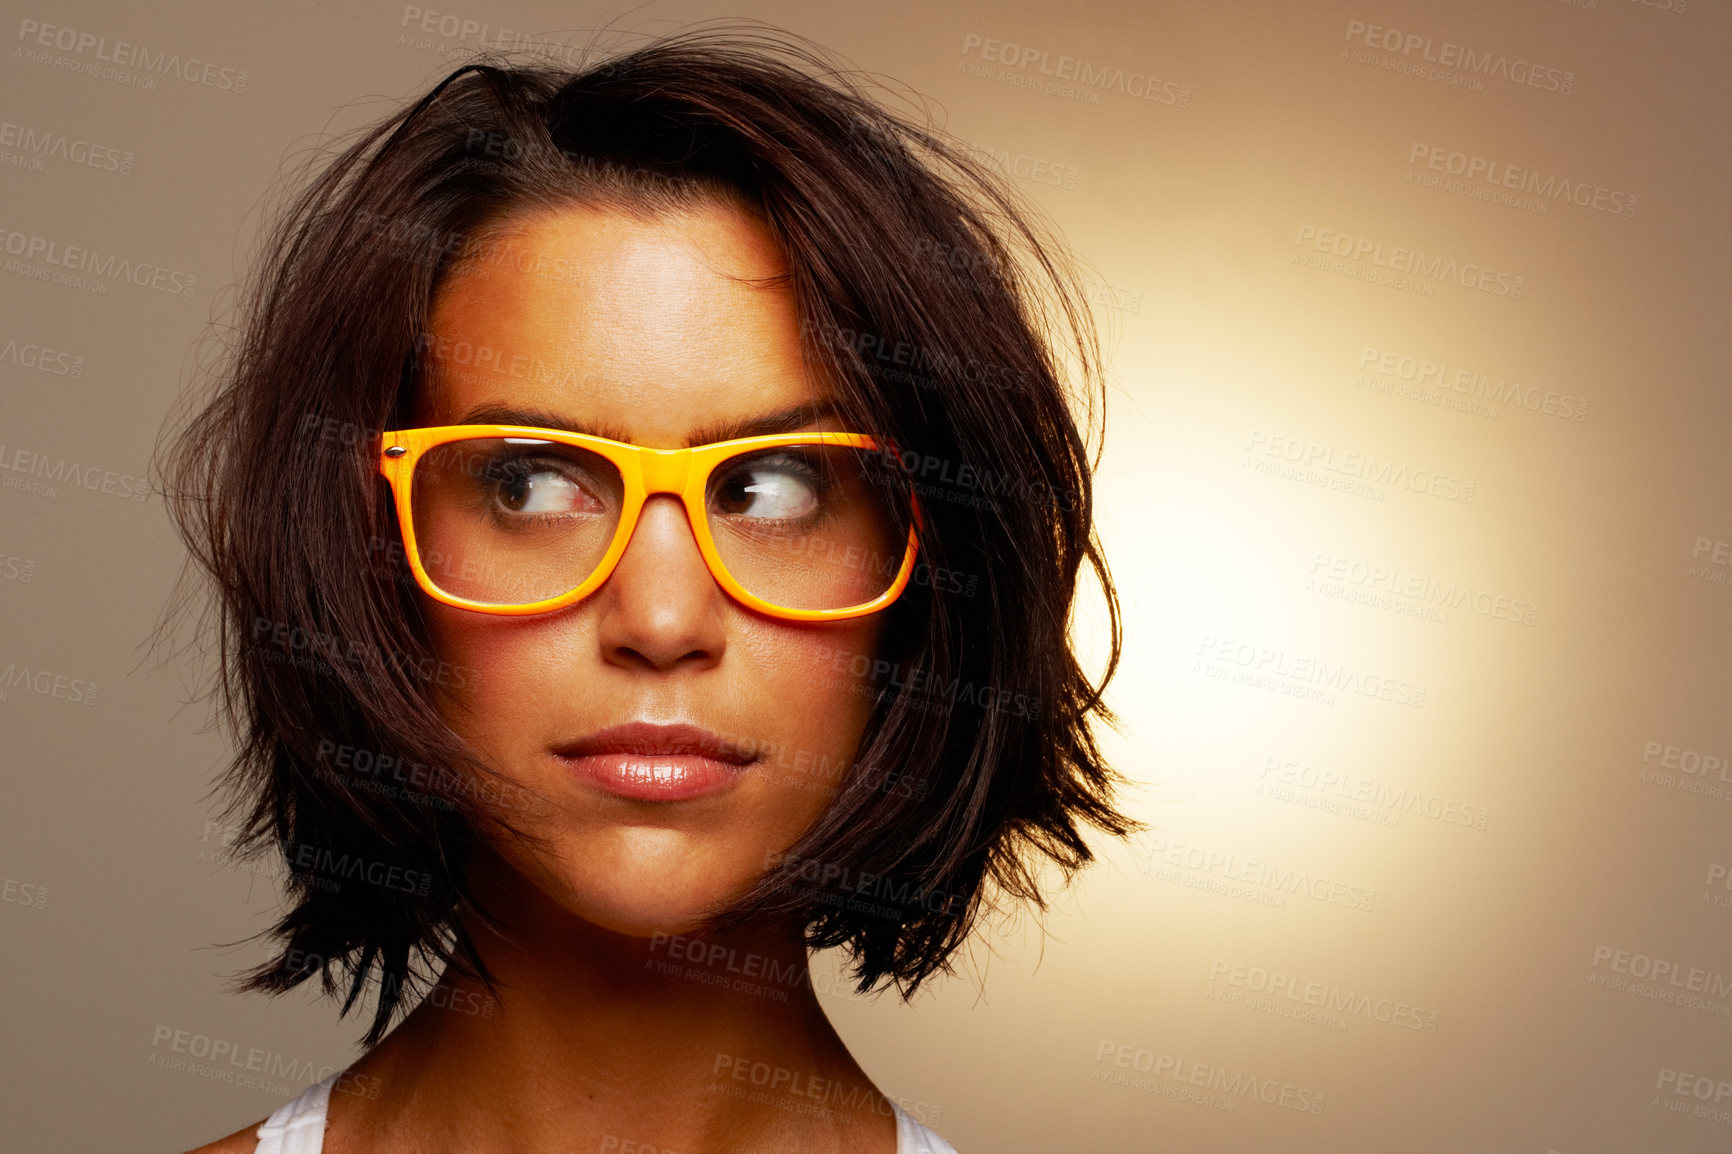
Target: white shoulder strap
(298, 1127)
(914, 1138)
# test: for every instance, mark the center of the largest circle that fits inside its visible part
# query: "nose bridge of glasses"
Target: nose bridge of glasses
(665, 470)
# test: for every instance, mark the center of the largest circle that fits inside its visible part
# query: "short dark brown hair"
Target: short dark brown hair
(949, 324)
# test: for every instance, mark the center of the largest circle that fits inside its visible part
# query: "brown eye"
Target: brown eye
(777, 489)
(538, 488)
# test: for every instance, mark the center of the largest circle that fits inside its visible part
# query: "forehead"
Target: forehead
(645, 329)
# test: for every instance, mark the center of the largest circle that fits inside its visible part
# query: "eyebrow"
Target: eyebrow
(782, 421)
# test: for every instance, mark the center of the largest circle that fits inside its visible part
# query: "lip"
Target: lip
(645, 761)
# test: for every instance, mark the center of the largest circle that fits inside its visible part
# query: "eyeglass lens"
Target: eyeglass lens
(512, 520)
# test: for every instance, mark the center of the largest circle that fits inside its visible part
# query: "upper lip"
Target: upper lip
(645, 737)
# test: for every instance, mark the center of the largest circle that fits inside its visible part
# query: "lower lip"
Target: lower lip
(656, 776)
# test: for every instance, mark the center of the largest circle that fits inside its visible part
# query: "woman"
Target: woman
(646, 509)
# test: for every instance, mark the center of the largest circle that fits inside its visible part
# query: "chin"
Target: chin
(640, 911)
(634, 881)
(643, 895)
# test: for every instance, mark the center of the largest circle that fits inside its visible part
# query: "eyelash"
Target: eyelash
(819, 482)
(516, 468)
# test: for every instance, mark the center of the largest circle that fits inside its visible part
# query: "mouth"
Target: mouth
(644, 761)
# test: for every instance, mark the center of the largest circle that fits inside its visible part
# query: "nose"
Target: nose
(660, 607)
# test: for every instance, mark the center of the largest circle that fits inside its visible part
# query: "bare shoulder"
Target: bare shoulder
(242, 1141)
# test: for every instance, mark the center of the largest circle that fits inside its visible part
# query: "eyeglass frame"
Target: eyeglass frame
(644, 473)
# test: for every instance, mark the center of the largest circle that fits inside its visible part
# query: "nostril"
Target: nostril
(660, 609)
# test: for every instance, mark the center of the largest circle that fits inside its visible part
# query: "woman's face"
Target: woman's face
(641, 329)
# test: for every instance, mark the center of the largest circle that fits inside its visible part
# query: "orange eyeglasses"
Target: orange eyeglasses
(512, 519)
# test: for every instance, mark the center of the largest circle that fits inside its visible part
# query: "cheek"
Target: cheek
(513, 667)
(820, 679)
(800, 694)
(815, 688)
(803, 687)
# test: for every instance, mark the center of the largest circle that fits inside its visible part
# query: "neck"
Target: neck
(692, 1042)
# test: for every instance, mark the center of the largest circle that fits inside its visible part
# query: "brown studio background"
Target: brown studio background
(1415, 485)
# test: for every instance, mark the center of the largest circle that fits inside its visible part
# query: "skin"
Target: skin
(643, 334)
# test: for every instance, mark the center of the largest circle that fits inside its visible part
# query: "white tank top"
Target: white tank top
(299, 1127)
